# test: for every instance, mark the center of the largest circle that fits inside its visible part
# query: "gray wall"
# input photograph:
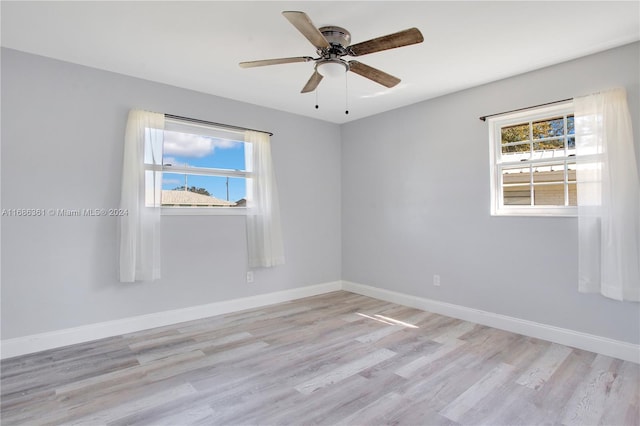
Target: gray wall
(415, 202)
(62, 139)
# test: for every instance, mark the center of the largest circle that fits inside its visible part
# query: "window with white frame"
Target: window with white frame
(533, 164)
(204, 169)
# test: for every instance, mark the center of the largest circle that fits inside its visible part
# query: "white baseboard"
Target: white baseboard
(602, 345)
(70, 336)
(55, 339)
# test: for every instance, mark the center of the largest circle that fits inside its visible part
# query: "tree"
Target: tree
(193, 189)
(551, 128)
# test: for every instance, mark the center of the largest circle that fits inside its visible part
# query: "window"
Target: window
(157, 148)
(204, 169)
(533, 164)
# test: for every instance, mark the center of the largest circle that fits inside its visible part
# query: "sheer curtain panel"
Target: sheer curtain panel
(141, 192)
(608, 197)
(264, 235)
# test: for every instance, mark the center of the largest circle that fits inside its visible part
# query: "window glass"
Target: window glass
(220, 191)
(192, 150)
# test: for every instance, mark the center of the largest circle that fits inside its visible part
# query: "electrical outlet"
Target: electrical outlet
(436, 280)
(249, 276)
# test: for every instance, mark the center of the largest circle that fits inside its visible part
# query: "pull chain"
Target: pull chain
(346, 93)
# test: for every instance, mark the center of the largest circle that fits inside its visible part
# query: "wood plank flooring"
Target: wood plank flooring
(337, 358)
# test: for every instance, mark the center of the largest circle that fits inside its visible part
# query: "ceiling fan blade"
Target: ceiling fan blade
(301, 21)
(313, 82)
(262, 63)
(373, 74)
(391, 41)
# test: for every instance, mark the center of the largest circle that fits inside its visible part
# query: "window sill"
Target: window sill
(203, 211)
(537, 212)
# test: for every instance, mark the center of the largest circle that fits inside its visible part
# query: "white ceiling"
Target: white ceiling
(197, 45)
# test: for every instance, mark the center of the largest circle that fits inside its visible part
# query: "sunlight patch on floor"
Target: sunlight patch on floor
(387, 320)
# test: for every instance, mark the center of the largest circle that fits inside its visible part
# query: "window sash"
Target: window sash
(203, 171)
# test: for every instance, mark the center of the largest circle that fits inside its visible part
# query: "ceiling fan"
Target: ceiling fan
(333, 43)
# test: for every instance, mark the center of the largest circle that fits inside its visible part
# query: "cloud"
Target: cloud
(189, 145)
(225, 143)
(186, 145)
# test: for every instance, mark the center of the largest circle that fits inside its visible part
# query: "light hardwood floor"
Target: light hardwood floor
(337, 358)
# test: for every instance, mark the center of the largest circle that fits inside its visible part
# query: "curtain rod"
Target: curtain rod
(484, 118)
(211, 123)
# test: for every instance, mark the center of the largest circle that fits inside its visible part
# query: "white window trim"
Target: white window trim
(495, 123)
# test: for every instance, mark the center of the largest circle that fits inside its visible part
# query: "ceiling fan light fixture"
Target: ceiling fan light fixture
(332, 68)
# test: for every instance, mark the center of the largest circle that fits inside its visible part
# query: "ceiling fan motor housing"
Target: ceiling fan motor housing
(336, 35)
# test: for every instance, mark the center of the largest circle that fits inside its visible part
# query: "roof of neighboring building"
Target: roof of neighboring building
(188, 198)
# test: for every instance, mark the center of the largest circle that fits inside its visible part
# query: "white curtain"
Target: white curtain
(608, 197)
(141, 192)
(264, 234)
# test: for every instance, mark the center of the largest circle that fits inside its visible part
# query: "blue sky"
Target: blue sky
(182, 149)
